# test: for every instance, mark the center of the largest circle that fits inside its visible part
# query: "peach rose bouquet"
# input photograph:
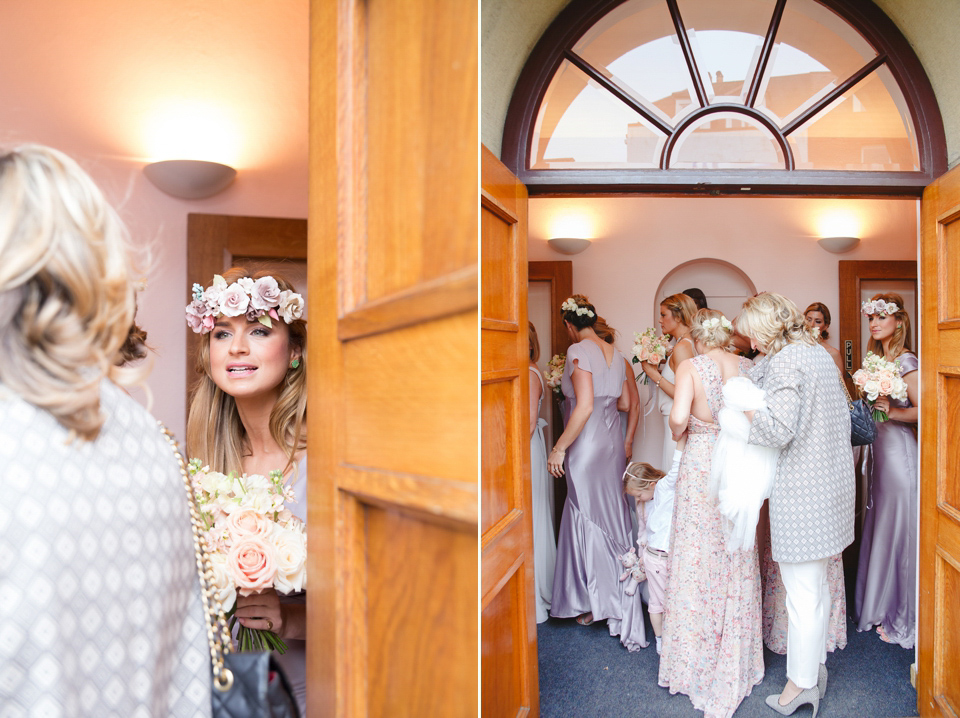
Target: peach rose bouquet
(253, 540)
(880, 377)
(650, 348)
(555, 373)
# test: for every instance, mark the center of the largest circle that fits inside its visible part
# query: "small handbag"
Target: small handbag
(863, 429)
(245, 685)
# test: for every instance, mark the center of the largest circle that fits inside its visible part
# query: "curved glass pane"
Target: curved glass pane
(815, 50)
(636, 46)
(726, 39)
(866, 129)
(582, 126)
(727, 140)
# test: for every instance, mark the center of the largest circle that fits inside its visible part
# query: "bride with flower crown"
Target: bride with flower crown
(248, 415)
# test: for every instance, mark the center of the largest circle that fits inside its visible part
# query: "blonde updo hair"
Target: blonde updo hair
(772, 321)
(682, 307)
(715, 336)
(66, 298)
(215, 433)
(580, 321)
(534, 342)
(900, 341)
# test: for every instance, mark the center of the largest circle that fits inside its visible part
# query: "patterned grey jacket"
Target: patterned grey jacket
(812, 502)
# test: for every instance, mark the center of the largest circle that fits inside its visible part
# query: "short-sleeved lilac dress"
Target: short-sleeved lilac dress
(887, 571)
(596, 528)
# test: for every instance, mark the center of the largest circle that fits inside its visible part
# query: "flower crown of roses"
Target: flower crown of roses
(570, 305)
(259, 300)
(878, 306)
(714, 322)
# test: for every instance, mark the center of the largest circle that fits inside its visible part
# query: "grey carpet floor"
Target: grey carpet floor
(586, 672)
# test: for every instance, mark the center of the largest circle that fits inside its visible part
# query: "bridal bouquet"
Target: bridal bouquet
(880, 377)
(555, 372)
(648, 347)
(253, 540)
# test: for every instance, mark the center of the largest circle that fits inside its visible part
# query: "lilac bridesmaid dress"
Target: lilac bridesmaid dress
(596, 527)
(887, 571)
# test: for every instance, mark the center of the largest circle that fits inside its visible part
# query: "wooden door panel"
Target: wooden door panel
(412, 117)
(498, 301)
(503, 645)
(938, 602)
(410, 603)
(497, 469)
(508, 616)
(392, 441)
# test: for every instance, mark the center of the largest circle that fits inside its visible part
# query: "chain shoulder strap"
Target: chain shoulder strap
(845, 391)
(218, 633)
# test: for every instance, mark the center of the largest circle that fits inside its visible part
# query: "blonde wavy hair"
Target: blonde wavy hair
(900, 341)
(215, 433)
(773, 321)
(712, 337)
(682, 307)
(66, 298)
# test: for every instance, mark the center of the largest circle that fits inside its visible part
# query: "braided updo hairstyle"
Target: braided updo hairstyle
(582, 320)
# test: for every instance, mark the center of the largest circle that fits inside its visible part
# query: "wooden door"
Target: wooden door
(938, 602)
(393, 356)
(508, 621)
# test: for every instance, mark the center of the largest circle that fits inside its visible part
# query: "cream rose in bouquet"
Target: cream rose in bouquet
(555, 372)
(880, 377)
(253, 540)
(650, 348)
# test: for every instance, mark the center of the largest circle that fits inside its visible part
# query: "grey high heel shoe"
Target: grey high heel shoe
(809, 695)
(822, 680)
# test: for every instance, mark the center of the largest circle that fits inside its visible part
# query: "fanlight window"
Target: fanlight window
(757, 86)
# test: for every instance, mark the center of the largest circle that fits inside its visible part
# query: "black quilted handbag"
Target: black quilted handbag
(863, 429)
(245, 685)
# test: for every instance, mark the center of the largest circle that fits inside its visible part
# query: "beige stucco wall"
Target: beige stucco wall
(510, 28)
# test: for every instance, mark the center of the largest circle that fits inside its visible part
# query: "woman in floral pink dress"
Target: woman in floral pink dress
(712, 643)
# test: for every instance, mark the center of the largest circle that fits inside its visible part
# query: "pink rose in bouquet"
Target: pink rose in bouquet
(253, 540)
(650, 348)
(555, 372)
(880, 377)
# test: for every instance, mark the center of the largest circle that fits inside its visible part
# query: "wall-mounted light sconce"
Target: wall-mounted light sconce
(190, 179)
(838, 245)
(569, 245)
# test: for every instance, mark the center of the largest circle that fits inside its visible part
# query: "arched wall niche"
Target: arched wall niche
(725, 285)
(895, 60)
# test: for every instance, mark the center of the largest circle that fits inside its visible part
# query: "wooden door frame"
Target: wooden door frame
(852, 274)
(214, 240)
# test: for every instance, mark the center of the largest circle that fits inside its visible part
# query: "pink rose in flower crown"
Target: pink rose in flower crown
(196, 311)
(234, 301)
(265, 293)
(252, 564)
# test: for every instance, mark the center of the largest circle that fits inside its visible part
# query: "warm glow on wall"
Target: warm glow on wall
(838, 223)
(580, 225)
(193, 131)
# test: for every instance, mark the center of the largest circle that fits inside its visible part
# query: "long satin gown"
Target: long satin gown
(887, 571)
(596, 526)
(541, 489)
